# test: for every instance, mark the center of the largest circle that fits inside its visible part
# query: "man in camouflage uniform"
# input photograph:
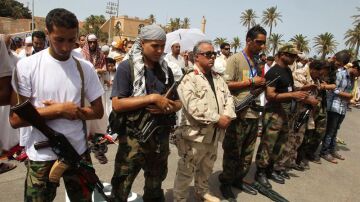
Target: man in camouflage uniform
(242, 75)
(304, 81)
(139, 82)
(278, 112)
(208, 111)
(314, 135)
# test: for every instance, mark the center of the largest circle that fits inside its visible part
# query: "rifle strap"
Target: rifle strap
(82, 95)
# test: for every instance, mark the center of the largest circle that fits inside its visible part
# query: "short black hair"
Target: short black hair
(356, 64)
(82, 35)
(110, 61)
(270, 58)
(38, 34)
(61, 18)
(316, 64)
(262, 54)
(255, 31)
(222, 46)
(343, 57)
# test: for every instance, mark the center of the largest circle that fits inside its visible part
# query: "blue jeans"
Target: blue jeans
(334, 121)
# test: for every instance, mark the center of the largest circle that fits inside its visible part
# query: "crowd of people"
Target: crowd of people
(119, 88)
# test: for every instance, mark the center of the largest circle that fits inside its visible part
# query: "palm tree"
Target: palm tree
(219, 40)
(247, 18)
(235, 44)
(352, 37)
(301, 42)
(185, 23)
(274, 42)
(174, 24)
(271, 17)
(325, 44)
(152, 19)
(356, 17)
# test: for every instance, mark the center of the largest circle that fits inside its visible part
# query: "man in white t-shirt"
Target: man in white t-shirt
(220, 62)
(51, 80)
(175, 61)
(81, 40)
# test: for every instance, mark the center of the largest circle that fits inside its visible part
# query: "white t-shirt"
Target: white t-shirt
(176, 65)
(220, 64)
(42, 77)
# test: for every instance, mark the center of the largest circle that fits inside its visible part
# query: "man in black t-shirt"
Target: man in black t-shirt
(139, 82)
(276, 124)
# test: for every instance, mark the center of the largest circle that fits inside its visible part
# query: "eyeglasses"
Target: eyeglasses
(260, 42)
(208, 54)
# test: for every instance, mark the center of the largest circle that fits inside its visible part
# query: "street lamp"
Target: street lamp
(111, 8)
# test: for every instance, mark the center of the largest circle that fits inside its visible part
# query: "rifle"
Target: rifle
(302, 118)
(250, 98)
(268, 192)
(68, 156)
(152, 125)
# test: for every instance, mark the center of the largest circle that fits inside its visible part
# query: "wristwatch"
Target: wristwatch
(337, 91)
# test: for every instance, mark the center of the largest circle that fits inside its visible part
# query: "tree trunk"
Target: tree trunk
(248, 26)
(357, 50)
(270, 29)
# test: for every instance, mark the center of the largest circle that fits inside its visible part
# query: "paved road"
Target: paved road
(325, 182)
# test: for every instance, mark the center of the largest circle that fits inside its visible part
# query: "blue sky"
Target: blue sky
(307, 17)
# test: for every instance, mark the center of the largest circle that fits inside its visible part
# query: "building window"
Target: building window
(34, 25)
(140, 26)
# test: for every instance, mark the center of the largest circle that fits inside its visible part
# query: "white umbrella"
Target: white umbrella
(187, 38)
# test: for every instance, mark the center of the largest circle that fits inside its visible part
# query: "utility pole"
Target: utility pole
(32, 17)
(117, 12)
(110, 9)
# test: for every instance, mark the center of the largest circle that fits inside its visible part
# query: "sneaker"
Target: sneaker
(207, 198)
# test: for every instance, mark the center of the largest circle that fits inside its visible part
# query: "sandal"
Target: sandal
(338, 156)
(329, 158)
(5, 167)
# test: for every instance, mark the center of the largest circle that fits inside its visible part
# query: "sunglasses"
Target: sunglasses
(208, 54)
(290, 55)
(260, 42)
(226, 48)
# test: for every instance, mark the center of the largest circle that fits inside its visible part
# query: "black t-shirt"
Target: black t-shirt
(154, 81)
(283, 85)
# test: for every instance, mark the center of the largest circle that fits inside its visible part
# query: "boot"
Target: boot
(274, 176)
(227, 192)
(261, 177)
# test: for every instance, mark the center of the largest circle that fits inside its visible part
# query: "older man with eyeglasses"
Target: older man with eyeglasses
(208, 109)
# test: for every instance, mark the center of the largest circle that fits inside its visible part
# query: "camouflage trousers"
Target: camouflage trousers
(39, 189)
(295, 139)
(133, 156)
(276, 128)
(238, 145)
(313, 138)
(196, 161)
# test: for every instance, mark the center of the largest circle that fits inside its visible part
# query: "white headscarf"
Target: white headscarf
(6, 62)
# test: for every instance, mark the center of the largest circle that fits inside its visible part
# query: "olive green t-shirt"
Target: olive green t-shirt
(238, 69)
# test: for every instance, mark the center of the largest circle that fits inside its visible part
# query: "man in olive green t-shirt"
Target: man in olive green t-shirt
(242, 74)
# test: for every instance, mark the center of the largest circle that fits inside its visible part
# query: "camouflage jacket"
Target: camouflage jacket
(201, 109)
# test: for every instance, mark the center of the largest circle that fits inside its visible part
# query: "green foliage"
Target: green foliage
(248, 17)
(274, 42)
(219, 40)
(92, 25)
(325, 44)
(14, 9)
(301, 42)
(271, 17)
(235, 44)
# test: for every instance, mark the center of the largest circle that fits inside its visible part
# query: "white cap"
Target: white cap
(113, 43)
(175, 42)
(28, 39)
(91, 37)
(105, 48)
